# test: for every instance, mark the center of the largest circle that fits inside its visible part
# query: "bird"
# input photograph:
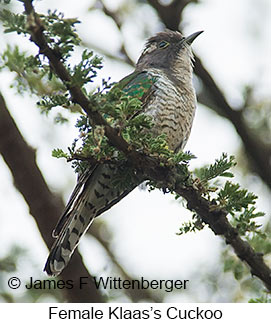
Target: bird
(162, 80)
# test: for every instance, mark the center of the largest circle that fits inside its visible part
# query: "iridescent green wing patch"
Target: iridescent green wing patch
(137, 85)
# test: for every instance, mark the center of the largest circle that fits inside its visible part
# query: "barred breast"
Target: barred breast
(172, 107)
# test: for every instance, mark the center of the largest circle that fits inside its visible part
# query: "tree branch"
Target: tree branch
(44, 206)
(170, 14)
(122, 55)
(115, 17)
(259, 154)
(216, 219)
(218, 222)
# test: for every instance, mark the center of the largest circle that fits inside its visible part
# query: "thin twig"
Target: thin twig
(115, 17)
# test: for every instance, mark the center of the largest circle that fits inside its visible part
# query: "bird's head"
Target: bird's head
(168, 50)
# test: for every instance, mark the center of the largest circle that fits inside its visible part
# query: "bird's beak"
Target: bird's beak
(189, 40)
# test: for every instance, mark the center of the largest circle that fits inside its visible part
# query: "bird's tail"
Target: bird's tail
(67, 241)
(94, 194)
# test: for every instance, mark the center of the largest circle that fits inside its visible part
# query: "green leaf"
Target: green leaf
(86, 70)
(59, 153)
(219, 168)
(13, 22)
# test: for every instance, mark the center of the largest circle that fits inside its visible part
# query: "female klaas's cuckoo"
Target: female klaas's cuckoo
(162, 80)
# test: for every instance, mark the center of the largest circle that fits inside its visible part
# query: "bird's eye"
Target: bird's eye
(163, 44)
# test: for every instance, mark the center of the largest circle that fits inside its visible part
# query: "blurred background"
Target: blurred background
(137, 237)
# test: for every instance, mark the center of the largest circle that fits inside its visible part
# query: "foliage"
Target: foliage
(13, 22)
(191, 226)
(86, 70)
(219, 168)
(263, 299)
(60, 33)
(30, 72)
(261, 242)
(237, 202)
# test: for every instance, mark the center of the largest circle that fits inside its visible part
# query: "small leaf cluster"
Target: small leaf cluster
(61, 36)
(115, 105)
(237, 202)
(93, 143)
(263, 299)
(13, 22)
(59, 153)
(60, 33)
(219, 168)
(120, 111)
(191, 226)
(240, 204)
(50, 101)
(85, 71)
(31, 74)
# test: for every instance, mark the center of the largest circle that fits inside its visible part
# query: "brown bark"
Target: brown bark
(44, 206)
(258, 153)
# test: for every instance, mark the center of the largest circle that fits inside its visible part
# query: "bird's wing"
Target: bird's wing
(138, 85)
